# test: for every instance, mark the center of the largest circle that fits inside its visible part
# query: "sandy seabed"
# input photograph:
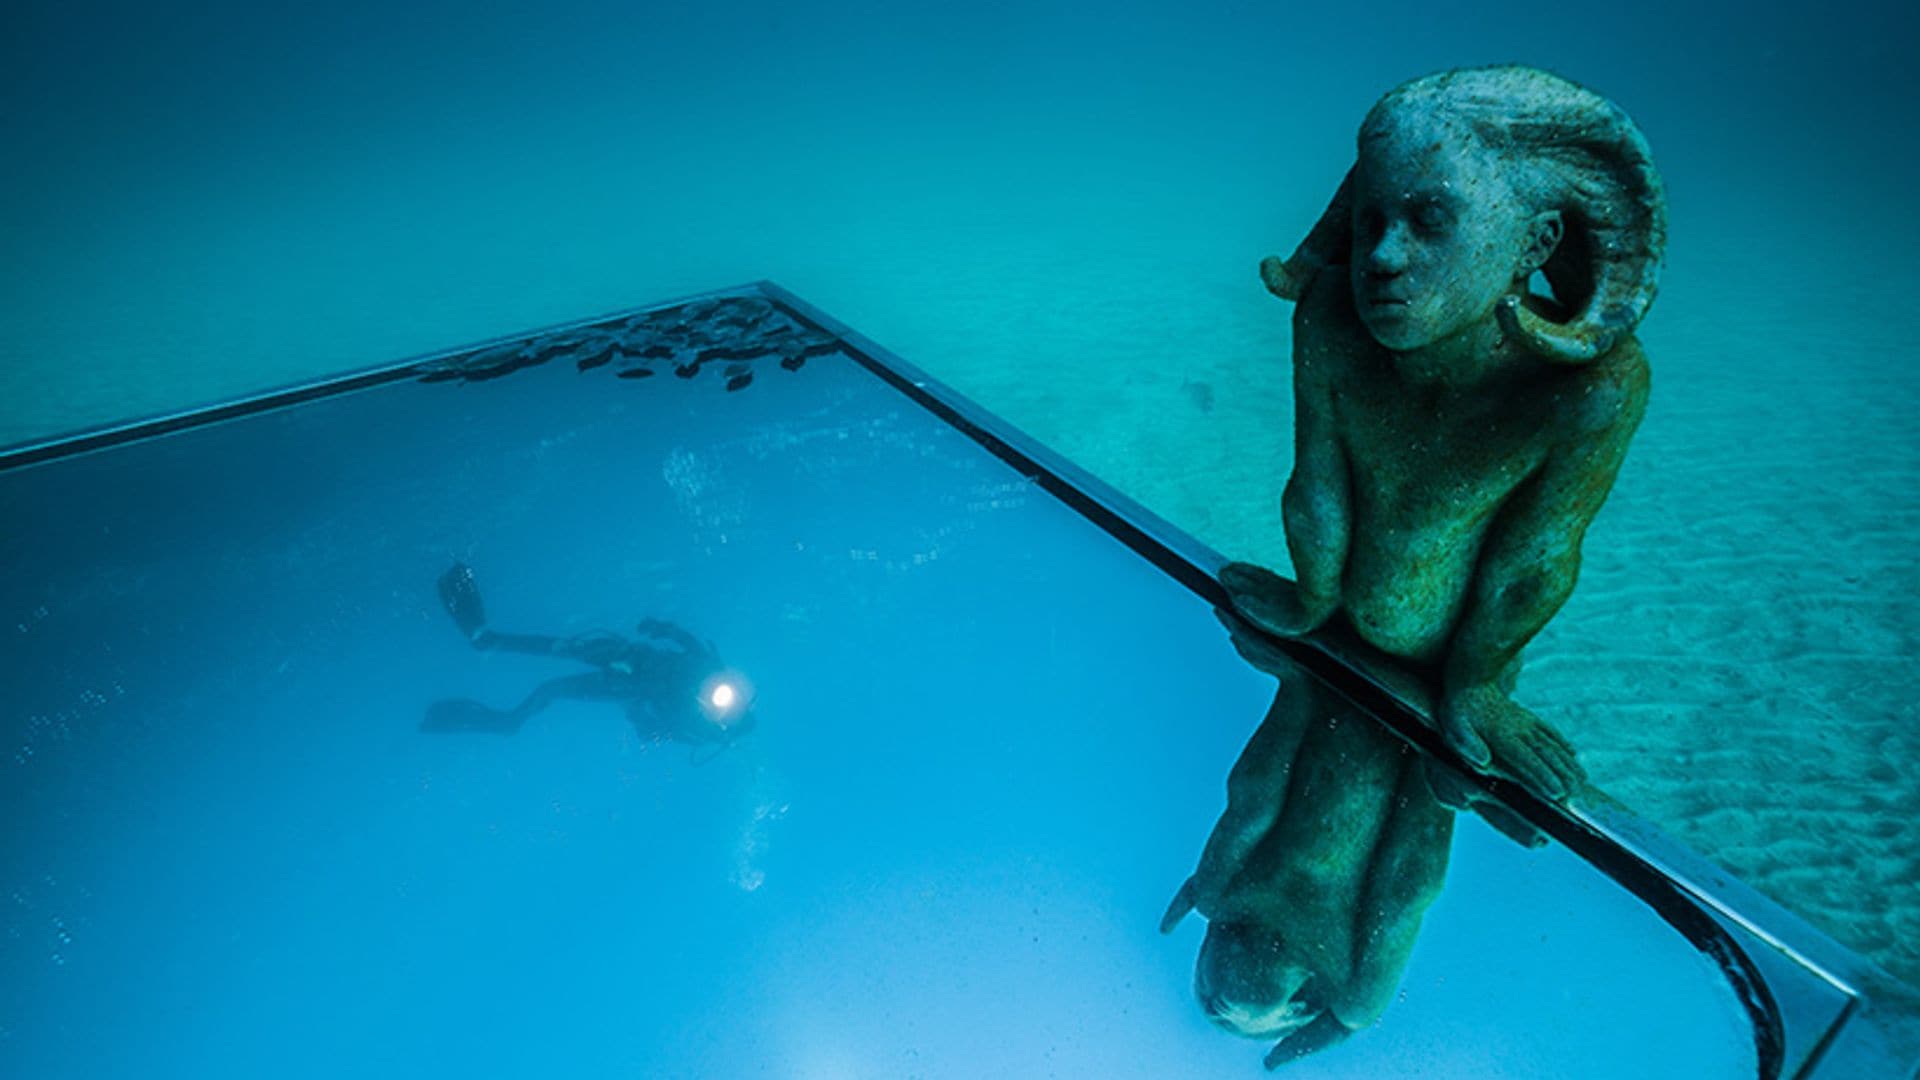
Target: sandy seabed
(1736, 664)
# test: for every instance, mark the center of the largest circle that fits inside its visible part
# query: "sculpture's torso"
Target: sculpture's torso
(1430, 467)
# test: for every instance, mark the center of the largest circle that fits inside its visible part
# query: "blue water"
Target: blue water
(1057, 209)
(205, 201)
(991, 742)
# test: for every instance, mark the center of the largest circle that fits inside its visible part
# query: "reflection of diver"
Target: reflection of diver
(673, 685)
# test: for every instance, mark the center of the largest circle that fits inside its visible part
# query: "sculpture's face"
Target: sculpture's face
(1438, 232)
(1247, 987)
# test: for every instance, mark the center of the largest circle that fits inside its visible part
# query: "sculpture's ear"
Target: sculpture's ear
(1544, 233)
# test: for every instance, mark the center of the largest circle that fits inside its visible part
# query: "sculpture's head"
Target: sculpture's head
(1466, 183)
(1248, 985)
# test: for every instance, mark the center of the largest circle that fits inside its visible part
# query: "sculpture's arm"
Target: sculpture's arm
(1317, 505)
(1532, 555)
(1531, 559)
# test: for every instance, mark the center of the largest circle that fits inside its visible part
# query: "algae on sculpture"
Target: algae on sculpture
(1455, 434)
(1454, 437)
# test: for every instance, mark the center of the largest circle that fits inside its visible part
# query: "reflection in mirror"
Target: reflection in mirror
(673, 686)
(1315, 879)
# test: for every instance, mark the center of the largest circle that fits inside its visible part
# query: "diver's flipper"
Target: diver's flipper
(461, 596)
(463, 715)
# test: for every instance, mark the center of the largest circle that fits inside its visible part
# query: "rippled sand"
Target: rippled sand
(1737, 663)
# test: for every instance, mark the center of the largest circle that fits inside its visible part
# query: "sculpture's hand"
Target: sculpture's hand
(1274, 275)
(1271, 602)
(1484, 725)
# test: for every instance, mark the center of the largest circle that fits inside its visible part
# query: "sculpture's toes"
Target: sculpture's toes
(1449, 787)
(1558, 758)
(1523, 760)
(1453, 790)
(1465, 741)
(1547, 766)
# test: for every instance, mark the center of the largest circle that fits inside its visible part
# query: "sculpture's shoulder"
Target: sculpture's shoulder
(1613, 391)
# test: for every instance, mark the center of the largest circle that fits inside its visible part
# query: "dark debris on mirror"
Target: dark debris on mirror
(739, 335)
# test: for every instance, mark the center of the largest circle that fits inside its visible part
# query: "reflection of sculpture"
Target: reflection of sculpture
(1316, 876)
(1455, 435)
(1315, 879)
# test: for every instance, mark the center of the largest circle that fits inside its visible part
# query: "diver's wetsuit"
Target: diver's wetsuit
(657, 678)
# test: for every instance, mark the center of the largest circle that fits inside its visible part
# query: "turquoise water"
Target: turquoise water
(1058, 211)
(990, 742)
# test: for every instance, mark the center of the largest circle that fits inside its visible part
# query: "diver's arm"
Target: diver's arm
(670, 632)
(534, 644)
(599, 650)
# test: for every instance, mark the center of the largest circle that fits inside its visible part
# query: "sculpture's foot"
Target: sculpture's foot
(1456, 792)
(1487, 728)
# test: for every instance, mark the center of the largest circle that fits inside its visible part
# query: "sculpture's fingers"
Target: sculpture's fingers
(1252, 647)
(1178, 909)
(1267, 615)
(1246, 577)
(1273, 274)
(1265, 599)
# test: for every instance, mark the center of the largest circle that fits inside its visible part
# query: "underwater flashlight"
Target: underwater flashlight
(724, 697)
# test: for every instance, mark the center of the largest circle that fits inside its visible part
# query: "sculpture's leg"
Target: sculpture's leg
(1257, 791)
(1408, 869)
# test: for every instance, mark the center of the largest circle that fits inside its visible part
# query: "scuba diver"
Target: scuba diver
(673, 685)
